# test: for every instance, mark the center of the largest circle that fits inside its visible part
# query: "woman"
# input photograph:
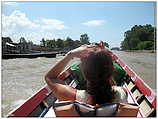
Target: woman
(97, 68)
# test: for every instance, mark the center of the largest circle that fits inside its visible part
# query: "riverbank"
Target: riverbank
(141, 51)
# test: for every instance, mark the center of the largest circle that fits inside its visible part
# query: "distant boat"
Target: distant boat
(115, 48)
(40, 104)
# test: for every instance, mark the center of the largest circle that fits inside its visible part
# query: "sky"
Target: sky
(106, 21)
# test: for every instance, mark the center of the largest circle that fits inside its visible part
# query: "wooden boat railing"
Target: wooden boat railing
(143, 95)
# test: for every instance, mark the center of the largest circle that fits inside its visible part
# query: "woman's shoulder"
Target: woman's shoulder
(120, 94)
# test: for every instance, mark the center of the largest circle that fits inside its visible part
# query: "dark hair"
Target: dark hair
(98, 69)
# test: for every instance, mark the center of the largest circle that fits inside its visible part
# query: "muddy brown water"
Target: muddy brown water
(143, 64)
(21, 78)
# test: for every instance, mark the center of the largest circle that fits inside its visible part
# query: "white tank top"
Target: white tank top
(120, 95)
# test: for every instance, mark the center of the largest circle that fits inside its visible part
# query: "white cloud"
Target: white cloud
(17, 20)
(13, 4)
(94, 23)
(51, 24)
(17, 25)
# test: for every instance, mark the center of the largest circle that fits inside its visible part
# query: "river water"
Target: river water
(144, 64)
(21, 78)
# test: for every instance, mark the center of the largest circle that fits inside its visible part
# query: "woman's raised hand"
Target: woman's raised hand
(83, 51)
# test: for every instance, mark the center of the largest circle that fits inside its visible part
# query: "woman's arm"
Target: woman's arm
(58, 87)
(59, 67)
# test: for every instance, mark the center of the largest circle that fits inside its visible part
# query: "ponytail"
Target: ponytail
(98, 68)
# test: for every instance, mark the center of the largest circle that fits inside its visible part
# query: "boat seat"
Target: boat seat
(107, 110)
(86, 110)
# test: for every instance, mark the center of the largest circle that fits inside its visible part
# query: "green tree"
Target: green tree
(30, 42)
(60, 43)
(84, 39)
(146, 45)
(22, 40)
(51, 43)
(43, 42)
(135, 38)
(69, 43)
(124, 45)
(77, 43)
(48, 43)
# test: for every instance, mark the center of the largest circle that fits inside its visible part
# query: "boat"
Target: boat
(139, 93)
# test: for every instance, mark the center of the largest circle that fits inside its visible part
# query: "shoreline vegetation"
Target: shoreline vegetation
(46, 45)
(140, 38)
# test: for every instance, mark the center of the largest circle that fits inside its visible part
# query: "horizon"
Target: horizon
(106, 21)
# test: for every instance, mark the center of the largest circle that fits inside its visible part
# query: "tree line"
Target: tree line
(53, 44)
(140, 38)
(67, 43)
